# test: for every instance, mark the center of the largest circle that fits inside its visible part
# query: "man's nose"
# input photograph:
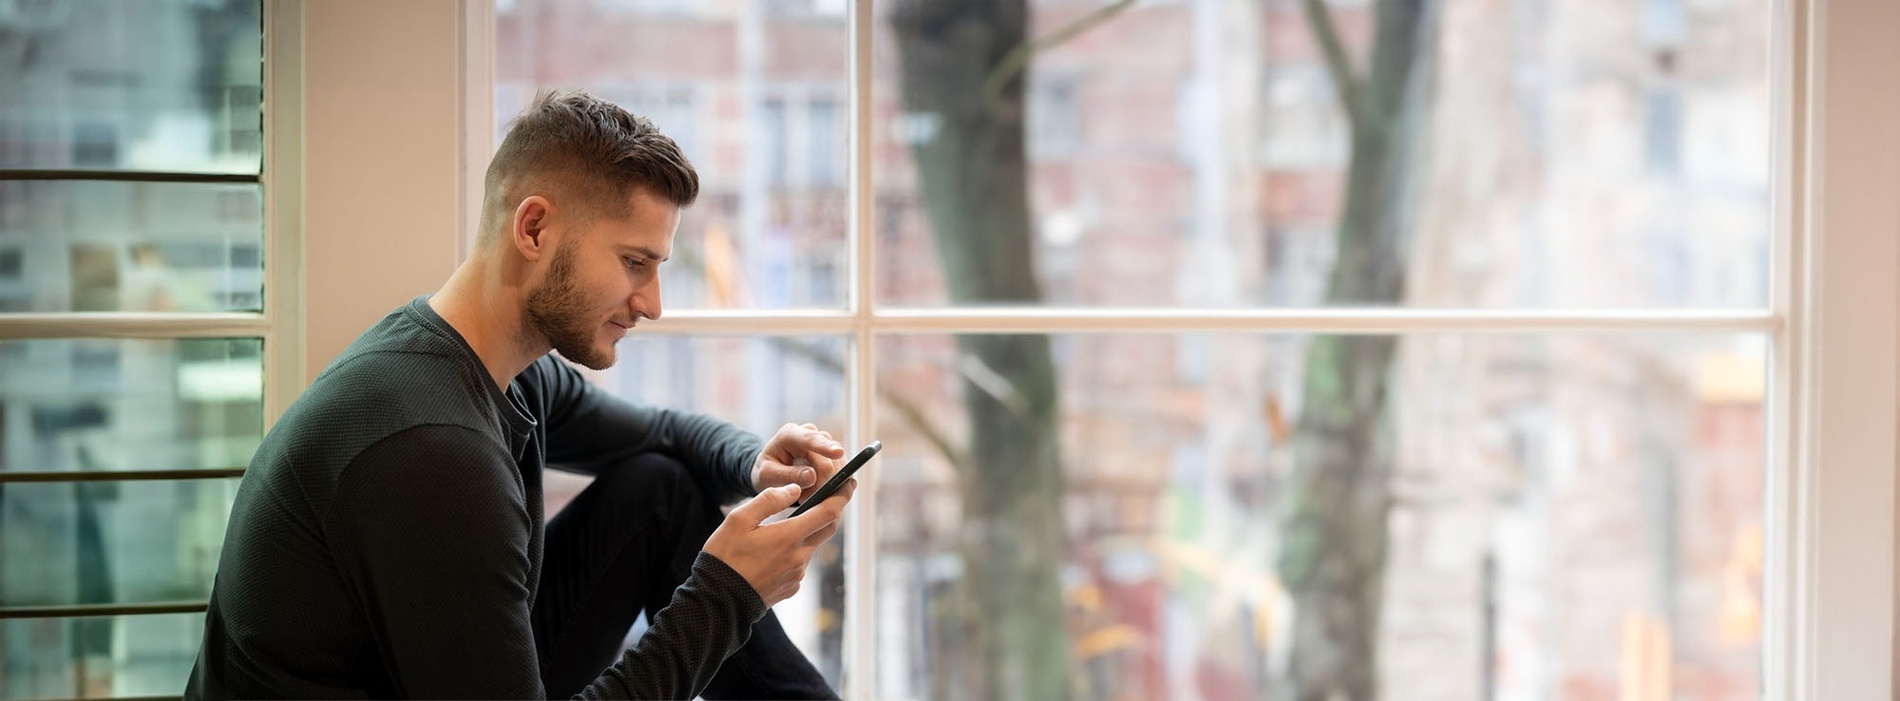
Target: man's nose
(646, 301)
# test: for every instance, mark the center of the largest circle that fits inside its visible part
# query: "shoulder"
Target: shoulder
(450, 468)
(434, 451)
(403, 371)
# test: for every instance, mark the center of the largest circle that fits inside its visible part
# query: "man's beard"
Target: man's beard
(558, 310)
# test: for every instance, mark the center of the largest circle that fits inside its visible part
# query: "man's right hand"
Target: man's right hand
(772, 557)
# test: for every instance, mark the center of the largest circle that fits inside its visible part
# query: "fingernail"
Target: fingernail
(807, 476)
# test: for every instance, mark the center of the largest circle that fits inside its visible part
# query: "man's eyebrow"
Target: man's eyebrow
(648, 252)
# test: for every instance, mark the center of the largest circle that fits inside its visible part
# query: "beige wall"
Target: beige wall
(382, 154)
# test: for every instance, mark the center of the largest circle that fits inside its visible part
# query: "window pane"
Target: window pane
(1549, 153)
(755, 94)
(759, 384)
(167, 85)
(88, 246)
(104, 404)
(1223, 516)
(111, 542)
(99, 657)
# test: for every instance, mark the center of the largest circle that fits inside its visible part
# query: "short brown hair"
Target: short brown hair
(587, 147)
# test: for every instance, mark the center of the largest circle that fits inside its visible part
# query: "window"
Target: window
(776, 125)
(762, 115)
(825, 131)
(132, 218)
(1663, 133)
(1664, 22)
(1053, 118)
(1196, 381)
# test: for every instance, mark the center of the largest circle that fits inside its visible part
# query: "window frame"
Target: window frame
(280, 176)
(278, 324)
(1834, 310)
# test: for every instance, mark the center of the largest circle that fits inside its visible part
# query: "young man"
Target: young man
(387, 540)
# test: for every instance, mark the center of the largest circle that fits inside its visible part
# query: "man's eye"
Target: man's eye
(634, 263)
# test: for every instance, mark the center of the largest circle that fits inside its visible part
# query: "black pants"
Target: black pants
(621, 547)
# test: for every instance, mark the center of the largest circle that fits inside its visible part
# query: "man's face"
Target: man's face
(603, 279)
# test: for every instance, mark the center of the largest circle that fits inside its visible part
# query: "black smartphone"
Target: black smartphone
(837, 481)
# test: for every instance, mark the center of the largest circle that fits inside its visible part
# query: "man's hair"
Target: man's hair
(589, 150)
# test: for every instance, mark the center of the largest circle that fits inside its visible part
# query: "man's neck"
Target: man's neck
(485, 307)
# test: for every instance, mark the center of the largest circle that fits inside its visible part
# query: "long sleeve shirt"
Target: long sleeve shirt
(386, 540)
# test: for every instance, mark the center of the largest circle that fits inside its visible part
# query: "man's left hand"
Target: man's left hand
(797, 454)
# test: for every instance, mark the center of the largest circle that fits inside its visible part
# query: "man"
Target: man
(388, 539)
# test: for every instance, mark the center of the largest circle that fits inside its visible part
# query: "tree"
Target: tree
(962, 65)
(963, 71)
(1335, 508)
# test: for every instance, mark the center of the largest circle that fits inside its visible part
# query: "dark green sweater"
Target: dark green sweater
(386, 540)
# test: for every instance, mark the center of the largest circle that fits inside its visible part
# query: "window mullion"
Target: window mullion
(283, 207)
(132, 325)
(1072, 320)
(860, 637)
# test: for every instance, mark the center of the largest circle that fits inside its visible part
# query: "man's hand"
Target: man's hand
(773, 557)
(801, 455)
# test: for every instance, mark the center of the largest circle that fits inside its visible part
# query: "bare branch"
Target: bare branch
(1018, 58)
(912, 413)
(1338, 64)
(690, 260)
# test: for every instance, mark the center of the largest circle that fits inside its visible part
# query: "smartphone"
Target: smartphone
(837, 481)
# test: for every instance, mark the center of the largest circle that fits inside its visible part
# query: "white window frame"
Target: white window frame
(282, 172)
(1833, 317)
(278, 324)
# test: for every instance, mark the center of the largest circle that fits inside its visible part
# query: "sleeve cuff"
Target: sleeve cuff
(720, 577)
(745, 470)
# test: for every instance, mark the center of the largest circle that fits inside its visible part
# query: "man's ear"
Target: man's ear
(528, 226)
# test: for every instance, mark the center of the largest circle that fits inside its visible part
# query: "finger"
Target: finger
(821, 443)
(825, 466)
(768, 502)
(800, 472)
(785, 444)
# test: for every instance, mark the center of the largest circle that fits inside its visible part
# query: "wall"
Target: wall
(382, 153)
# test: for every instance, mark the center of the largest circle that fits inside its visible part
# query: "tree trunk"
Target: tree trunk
(1334, 524)
(974, 173)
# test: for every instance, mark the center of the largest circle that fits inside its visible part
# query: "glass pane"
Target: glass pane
(759, 384)
(86, 246)
(166, 85)
(1285, 517)
(755, 94)
(111, 542)
(106, 404)
(98, 657)
(1547, 153)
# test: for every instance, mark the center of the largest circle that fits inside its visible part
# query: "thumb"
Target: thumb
(768, 502)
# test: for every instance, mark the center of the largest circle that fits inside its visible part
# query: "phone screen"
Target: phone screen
(837, 481)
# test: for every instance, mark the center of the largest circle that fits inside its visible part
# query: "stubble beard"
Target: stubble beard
(558, 311)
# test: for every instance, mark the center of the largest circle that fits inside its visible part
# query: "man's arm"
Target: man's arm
(714, 605)
(588, 427)
(431, 533)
